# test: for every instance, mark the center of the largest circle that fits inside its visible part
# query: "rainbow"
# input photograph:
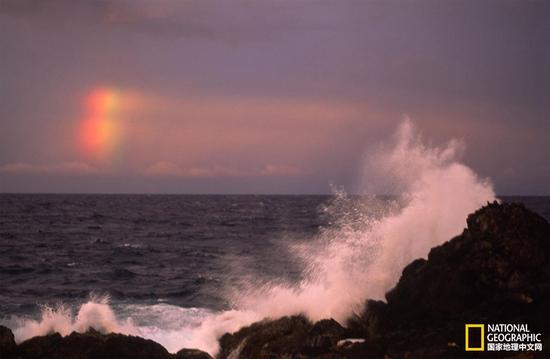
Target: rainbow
(100, 133)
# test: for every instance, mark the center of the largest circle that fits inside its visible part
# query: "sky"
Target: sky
(274, 97)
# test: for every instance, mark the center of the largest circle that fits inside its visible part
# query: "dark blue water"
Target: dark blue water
(178, 250)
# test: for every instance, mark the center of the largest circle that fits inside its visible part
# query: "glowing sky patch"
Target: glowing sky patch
(101, 129)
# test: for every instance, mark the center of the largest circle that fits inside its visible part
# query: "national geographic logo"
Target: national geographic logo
(475, 337)
(501, 337)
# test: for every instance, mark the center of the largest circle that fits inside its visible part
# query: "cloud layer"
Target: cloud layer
(65, 168)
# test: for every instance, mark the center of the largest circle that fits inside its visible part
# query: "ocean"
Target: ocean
(160, 265)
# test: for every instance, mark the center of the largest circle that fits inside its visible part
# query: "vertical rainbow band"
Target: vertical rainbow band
(100, 131)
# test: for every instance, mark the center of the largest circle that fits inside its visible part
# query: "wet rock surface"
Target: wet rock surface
(496, 271)
(192, 354)
(8, 349)
(93, 345)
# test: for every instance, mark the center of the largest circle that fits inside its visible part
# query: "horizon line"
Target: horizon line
(232, 194)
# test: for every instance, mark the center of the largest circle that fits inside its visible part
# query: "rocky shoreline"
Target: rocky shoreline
(496, 271)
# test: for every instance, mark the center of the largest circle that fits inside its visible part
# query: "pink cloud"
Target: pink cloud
(282, 170)
(59, 168)
(224, 131)
(164, 168)
(170, 169)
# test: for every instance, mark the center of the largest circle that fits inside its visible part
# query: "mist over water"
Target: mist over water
(359, 255)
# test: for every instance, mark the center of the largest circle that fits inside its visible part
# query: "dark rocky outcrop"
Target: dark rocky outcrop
(287, 337)
(8, 349)
(284, 336)
(496, 271)
(89, 345)
(92, 345)
(192, 354)
(323, 337)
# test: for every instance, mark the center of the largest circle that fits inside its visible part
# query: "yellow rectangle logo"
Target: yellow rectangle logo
(471, 336)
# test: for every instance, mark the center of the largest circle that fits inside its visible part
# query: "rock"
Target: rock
(327, 327)
(496, 271)
(89, 345)
(192, 354)
(288, 337)
(95, 345)
(92, 345)
(284, 337)
(8, 348)
(323, 337)
(368, 324)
